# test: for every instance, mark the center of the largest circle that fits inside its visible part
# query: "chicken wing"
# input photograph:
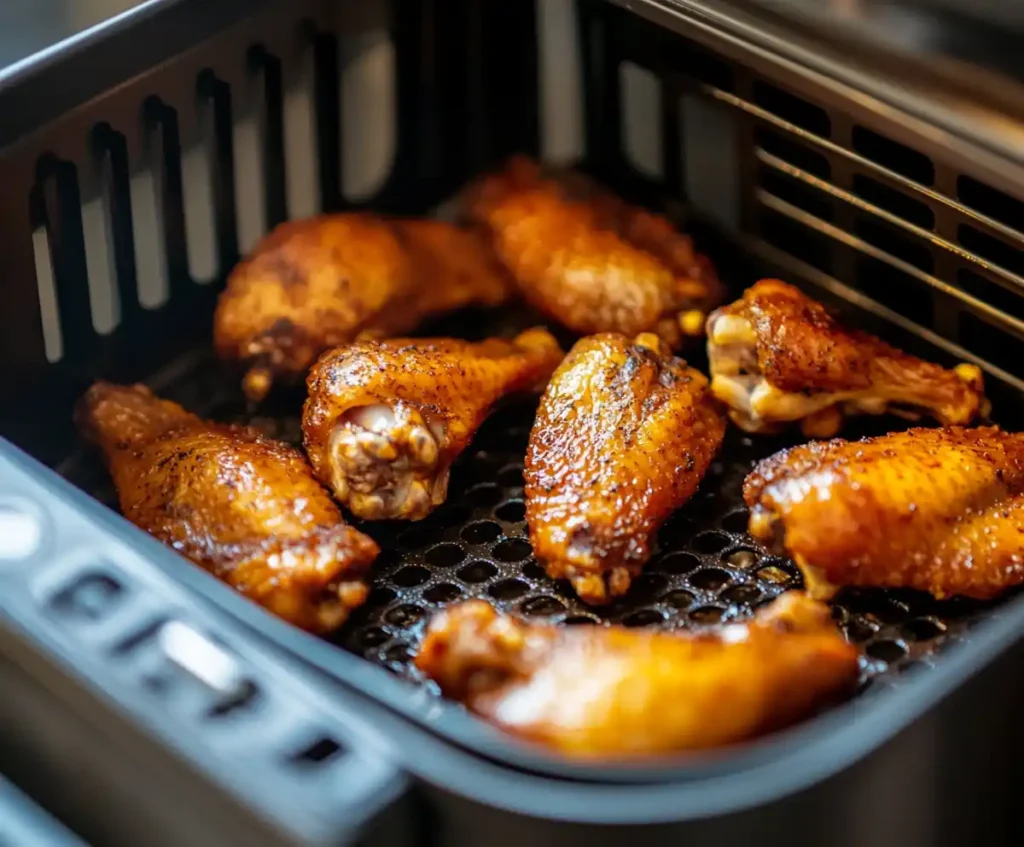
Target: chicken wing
(618, 692)
(317, 283)
(589, 260)
(623, 436)
(384, 420)
(940, 510)
(777, 356)
(242, 506)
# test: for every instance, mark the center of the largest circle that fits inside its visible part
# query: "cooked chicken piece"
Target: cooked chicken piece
(313, 284)
(240, 505)
(940, 510)
(589, 260)
(623, 436)
(384, 420)
(777, 356)
(618, 692)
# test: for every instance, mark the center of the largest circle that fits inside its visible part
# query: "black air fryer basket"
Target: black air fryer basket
(138, 165)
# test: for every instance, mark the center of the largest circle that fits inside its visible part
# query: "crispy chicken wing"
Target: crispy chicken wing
(940, 510)
(244, 507)
(384, 420)
(589, 260)
(624, 434)
(313, 284)
(777, 356)
(618, 692)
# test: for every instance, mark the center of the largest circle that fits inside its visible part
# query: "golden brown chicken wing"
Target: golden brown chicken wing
(624, 434)
(940, 510)
(313, 284)
(618, 692)
(240, 505)
(777, 356)
(384, 420)
(591, 261)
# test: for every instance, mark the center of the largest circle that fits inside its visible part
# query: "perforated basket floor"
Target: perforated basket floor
(706, 570)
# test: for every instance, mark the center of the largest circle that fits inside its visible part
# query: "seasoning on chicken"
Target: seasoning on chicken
(777, 356)
(617, 692)
(939, 510)
(623, 436)
(589, 260)
(242, 506)
(384, 420)
(313, 284)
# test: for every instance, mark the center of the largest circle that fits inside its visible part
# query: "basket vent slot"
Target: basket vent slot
(788, 150)
(893, 201)
(368, 114)
(1002, 297)
(641, 119)
(302, 173)
(992, 249)
(1000, 348)
(797, 240)
(793, 109)
(893, 155)
(560, 85)
(795, 192)
(894, 242)
(987, 200)
(893, 288)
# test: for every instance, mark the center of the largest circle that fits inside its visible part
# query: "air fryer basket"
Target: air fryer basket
(132, 207)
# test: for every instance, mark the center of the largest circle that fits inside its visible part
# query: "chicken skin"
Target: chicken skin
(384, 420)
(617, 692)
(587, 259)
(939, 510)
(242, 506)
(313, 284)
(777, 356)
(623, 436)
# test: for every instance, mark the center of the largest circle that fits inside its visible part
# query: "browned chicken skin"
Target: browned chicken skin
(242, 506)
(623, 436)
(313, 284)
(940, 510)
(618, 692)
(384, 420)
(590, 261)
(777, 356)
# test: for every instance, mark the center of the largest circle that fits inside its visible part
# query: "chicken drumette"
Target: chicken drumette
(618, 692)
(317, 283)
(624, 434)
(244, 507)
(940, 510)
(777, 356)
(589, 260)
(384, 420)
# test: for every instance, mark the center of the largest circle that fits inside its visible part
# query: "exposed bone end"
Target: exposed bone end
(650, 341)
(591, 588)
(734, 392)
(972, 375)
(335, 608)
(691, 322)
(725, 330)
(385, 463)
(256, 384)
(817, 585)
(766, 527)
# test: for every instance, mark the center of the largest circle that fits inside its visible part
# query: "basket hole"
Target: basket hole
(793, 109)
(372, 636)
(444, 592)
(743, 558)
(891, 200)
(893, 155)
(736, 521)
(894, 288)
(512, 512)
(543, 606)
(742, 594)
(642, 618)
(710, 579)
(710, 542)
(922, 629)
(317, 752)
(380, 596)
(797, 240)
(405, 615)
(410, 576)
(90, 597)
(481, 532)
(512, 550)
(773, 573)
(511, 477)
(647, 586)
(486, 494)
(445, 555)
(707, 614)
(987, 200)
(858, 630)
(580, 620)
(476, 572)
(508, 589)
(679, 599)
(398, 653)
(531, 570)
(678, 563)
(993, 249)
(886, 651)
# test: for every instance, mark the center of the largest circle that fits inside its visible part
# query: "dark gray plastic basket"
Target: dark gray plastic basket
(139, 164)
